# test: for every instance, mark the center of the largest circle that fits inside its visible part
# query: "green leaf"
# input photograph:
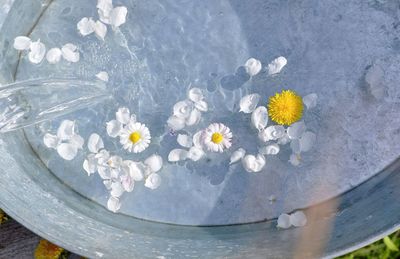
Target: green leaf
(389, 244)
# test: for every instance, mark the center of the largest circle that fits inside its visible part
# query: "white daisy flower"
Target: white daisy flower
(217, 137)
(135, 137)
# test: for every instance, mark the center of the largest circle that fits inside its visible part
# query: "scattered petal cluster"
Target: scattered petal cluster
(120, 175)
(254, 66)
(37, 51)
(274, 136)
(108, 15)
(67, 142)
(296, 219)
(215, 138)
(187, 113)
(134, 136)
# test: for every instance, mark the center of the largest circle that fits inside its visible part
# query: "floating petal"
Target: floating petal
(296, 130)
(37, 52)
(272, 149)
(104, 10)
(85, 26)
(22, 43)
(249, 103)
(77, 141)
(310, 100)
(103, 76)
(118, 16)
(295, 146)
(127, 183)
(50, 141)
(95, 143)
(195, 95)
(298, 219)
(253, 164)
(114, 128)
(277, 65)
(90, 164)
(177, 155)
(135, 170)
(284, 221)
(153, 181)
(201, 106)
(100, 29)
(176, 123)
(183, 109)
(67, 151)
(237, 155)
(113, 204)
(66, 130)
(53, 56)
(117, 189)
(194, 118)
(195, 153)
(294, 159)
(184, 140)
(70, 52)
(197, 139)
(259, 118)
(272, 133)
(123, 115)
(154, 163)
(253, 66)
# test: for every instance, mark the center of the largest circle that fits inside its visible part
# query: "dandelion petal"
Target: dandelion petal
(249, 103)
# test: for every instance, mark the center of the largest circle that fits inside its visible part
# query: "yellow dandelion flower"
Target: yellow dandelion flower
(285, 108)
(47, 250)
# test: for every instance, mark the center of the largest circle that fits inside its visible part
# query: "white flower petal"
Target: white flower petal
(296, 130)
(284, 221)
(107, 184)
(176, 123)
(177, 155)
(118, 16)
(197, 139)
(95, 143)
(153, 181)
(310, 100)
(284, 140)
(127, 183)
(114, 128)
(66, 130)
(195, 153)
(104, 10)
(70, 52)
(194, 118)
(259, 118)
(253, 66)
(253, 164)
(237, 155)
(307, 141)
(50, 141)
(277, 65)
(298, 219)
(113, 204)
(201, 106)
(135, 170)
(103, 76)
(195, 95)
(184, 140)
(272, 133)
(100, 29)
(85, 26)
(104, 172)
(123, 115)
(90, 164)
(37, 52)
(117, 189)
(272, 149)
(154, 163)
(295, 159)
(295, 146)
(183, 109)
(53, 56)
(22, 43)
(249, 103)
(67, 151)
(77, 141)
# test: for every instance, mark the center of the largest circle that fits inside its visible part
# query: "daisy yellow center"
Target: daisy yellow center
(135, 137)
(285, 108)
(217, 138)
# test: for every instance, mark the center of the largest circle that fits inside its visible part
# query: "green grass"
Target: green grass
(386, 248)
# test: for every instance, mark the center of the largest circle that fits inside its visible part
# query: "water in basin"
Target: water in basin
(167, 47)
